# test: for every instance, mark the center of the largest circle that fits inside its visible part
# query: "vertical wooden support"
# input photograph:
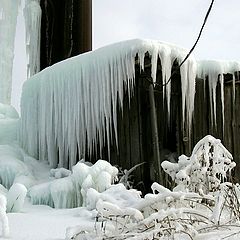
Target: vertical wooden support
(155, 141)
(82, 26)
(66, 29)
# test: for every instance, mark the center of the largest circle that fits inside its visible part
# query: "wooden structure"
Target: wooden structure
(66, 29)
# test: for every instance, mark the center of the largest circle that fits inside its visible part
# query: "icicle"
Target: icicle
(212, 70)
(73, 104)
(221, 79)
(32, 14)
(8, 21)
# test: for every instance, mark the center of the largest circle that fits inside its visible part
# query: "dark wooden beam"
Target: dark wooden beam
(66, 29)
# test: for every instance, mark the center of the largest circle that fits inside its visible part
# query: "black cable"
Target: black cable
(195, 44)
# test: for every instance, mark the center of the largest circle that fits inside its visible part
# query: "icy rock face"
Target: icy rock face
(33, 14)
(71, 104)
(71, 191)
(209, 165)
(8, 21)
(214, 71)
(9, 121)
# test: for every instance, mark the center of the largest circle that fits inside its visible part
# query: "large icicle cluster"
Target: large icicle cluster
(73, 104)
(8, 21)
(214, 71)
(33, 13)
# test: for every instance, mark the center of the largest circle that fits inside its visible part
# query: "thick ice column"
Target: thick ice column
(8, 21)
(33, 14)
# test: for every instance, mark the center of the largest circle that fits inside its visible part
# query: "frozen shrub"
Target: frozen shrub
(209, 165)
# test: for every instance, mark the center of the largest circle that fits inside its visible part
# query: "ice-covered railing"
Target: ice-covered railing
(73, 104)
(209, 165)
(8, 21)
(214, 71)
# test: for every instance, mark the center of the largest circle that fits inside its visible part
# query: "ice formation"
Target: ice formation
(214, 71)
(209, 165)
(9, 121)
(3, 216)
(73, 104)
(16, 197)
(33, 13)
(12, 165)
(8, 21)
(71, 191)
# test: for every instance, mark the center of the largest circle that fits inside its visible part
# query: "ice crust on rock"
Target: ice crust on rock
(72, 104)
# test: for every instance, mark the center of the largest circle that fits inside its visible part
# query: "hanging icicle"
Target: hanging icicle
(214, 71)
(8, 21)
(32, 14)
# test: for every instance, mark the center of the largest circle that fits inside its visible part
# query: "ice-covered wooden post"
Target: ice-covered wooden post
(155, 141)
